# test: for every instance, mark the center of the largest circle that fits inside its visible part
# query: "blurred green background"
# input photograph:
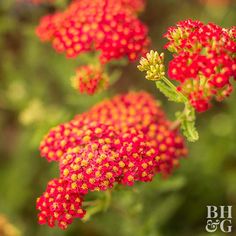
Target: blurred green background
(35, 94)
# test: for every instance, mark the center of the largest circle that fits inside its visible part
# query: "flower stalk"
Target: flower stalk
(154, 67)
(97, 206)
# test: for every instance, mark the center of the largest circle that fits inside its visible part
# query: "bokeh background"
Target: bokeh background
(35, 94)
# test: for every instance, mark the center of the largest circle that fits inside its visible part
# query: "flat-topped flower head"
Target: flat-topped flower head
(204, 61)
(90, 79)
(107, 26)
(123, 140)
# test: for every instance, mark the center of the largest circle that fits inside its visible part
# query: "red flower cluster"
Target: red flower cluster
(204, 61)
(108, 26)
(59, 203)
(90, 79)
(123, 140)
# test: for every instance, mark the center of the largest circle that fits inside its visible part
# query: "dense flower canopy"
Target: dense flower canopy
(107, 26)
(119, 141)
(204, 61)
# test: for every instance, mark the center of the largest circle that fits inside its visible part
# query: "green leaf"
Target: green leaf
(187, 119)
(171, 94)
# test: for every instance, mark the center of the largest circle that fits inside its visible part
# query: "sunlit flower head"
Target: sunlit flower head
(204, 61)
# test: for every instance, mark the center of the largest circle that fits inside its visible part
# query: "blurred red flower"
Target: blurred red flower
(123, 140)
(107, 26)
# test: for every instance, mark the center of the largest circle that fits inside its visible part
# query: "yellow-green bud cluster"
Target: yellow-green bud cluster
(153, 64)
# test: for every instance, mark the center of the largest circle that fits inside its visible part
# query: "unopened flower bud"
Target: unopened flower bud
(153, 64)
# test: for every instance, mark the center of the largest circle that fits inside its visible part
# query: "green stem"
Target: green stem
(91, 203)
(107, 200)
(173, 87)
(177, 123)
(92, 211)
(97, 206)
